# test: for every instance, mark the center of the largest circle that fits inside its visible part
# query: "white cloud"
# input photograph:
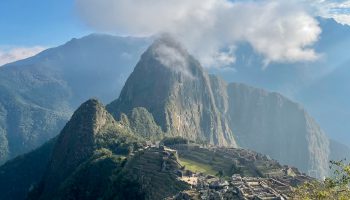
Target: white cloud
(173, 58)
(280, 31)
(8, 55)
(336, 9)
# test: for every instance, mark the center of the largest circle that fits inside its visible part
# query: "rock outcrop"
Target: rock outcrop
(176, 90)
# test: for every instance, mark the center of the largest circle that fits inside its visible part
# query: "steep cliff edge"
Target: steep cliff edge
(176, 90)
(185, 101)
(271, 124)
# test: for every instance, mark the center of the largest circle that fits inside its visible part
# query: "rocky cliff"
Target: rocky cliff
(271, 124)
(176, 90)
(185, 101)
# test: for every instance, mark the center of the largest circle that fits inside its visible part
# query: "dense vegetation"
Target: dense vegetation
(143, 124)
(168, 141)
(19, 175)
(97, 157)
(336, 187)
(39, 94)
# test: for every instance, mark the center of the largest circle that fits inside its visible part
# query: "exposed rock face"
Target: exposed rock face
(271, 124)
(187, 102)
(174, 88)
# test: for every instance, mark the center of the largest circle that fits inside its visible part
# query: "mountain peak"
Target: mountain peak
(169, 41)
(172, 86)
(168, 53)
(76, 142)
(77, 137)
(92, 111)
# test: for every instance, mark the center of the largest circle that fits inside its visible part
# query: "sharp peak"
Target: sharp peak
(170, 53)
(91, 103)
(89, 110)
(168, 41)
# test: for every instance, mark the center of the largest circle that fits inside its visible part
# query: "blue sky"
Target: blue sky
(38, 22)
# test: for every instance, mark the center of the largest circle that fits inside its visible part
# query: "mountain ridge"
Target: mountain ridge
(29, 101)
(103, 152)
(39, 94)
(256, 119)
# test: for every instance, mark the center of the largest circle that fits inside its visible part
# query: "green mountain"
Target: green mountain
(93, 157)
(91, 139)
(112, 153)
(185, 101)
(171, 85)
(96, 157)
(39, 94)
(20, 175)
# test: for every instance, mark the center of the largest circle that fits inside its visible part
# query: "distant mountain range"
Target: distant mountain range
(321, 86)
(185, 101)
(48, 83)
(39, 94)
(112, 153)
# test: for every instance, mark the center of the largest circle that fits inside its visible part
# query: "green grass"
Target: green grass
(197, 167)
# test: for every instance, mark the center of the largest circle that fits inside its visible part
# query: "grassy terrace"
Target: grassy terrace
(205, 161)
(212, 161)
(197, 167)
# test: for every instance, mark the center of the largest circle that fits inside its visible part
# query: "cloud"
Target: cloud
(8, 55)
(338, 10)
(212, 29)
(172, 58)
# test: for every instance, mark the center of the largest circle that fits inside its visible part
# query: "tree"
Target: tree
(220, 173)
(335, 187)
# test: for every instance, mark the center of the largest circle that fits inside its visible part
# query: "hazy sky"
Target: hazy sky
(27, 27)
